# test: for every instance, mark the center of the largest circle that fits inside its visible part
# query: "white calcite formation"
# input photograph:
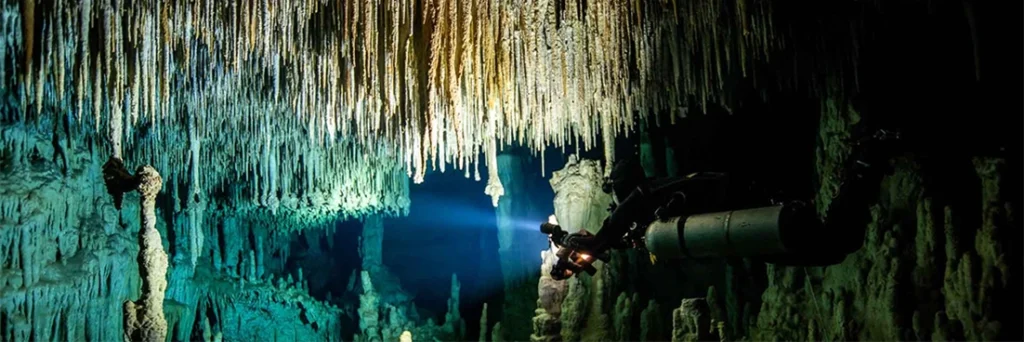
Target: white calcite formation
(341, 99)
(144, 319)
(580, 202)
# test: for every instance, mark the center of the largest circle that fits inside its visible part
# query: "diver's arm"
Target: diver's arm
(841, 231)
(636, 207)
(707, 188)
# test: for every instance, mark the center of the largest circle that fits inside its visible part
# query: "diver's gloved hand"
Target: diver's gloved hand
(581, 241)
(571, 265)
(561, 271)
(565, 269)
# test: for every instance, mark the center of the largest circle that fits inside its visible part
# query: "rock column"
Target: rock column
(372, 242)
(579, 204)
(516, 249)
(143, 319)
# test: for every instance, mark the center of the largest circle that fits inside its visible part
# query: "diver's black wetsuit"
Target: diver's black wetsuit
(821, 242)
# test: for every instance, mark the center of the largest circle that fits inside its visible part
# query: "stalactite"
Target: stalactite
(494, 187)
(97, 97)
(28, 15)
(533, 73)
(40, 81)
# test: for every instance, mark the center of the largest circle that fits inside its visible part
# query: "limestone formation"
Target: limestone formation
(586, 310)
(692, 321)
(453, 322)
(439, 83)
(380, 320)
(622, 319)
(84, 276)
(143, 319)
(651, 326)
(369, 311)
(580, 203)
(483, 325)
(271, 121)
(547, 325)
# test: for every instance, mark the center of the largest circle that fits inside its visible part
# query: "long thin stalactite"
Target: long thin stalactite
(336, 103)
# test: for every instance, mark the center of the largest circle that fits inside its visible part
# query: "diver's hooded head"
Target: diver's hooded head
(626, 176)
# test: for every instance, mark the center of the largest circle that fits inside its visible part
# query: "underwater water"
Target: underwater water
(438, 170)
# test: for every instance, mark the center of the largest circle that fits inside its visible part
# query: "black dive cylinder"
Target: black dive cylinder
(758, 232)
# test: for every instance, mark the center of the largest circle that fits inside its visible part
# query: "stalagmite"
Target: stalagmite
(547, 325)
(651, 322)
(691, 321)
(143, 319)
(453, 319)
(252, 268)
(260, 267)
(368, 310)
(483, 325)
(581, 204)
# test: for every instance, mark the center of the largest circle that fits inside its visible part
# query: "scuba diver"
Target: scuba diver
(693, 217)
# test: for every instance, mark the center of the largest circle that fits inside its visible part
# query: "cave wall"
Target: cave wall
(69, 257)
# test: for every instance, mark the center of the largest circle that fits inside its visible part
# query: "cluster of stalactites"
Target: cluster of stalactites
(284, 92)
